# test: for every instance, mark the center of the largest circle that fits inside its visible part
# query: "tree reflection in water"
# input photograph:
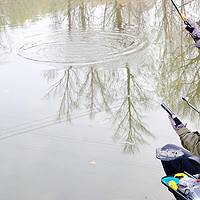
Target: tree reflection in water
(178, 61)
(97, 90)
(171, 59)
(65, 87)
(128, 119)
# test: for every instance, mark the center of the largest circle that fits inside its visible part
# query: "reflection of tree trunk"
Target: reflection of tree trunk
(92, 96)
(129, 101)
(83, 18)
(104, 17)
(94, 91)
(1, 15)
(129, 13)
(140, 18)
(66, 102)
(69, 15)
(118, 15)
(130, 143)
(4, 37)
(66, 88)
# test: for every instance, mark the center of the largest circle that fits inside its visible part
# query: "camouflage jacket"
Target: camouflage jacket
(190, 140)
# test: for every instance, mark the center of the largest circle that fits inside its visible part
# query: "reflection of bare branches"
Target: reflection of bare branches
(181, 79)
(123, 13)
(128, 118)
(94, 92)
(91, 91)
(66, 86)
(4, 37)
(98, 90)
(178, 61)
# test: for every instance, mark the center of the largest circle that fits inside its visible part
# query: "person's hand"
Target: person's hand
(194, 30)
(192, 23)
(174, 124)
(189, 29)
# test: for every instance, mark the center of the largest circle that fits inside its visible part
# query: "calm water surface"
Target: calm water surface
(81, 84)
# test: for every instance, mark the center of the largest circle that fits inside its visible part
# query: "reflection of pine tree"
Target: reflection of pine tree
(128, 118)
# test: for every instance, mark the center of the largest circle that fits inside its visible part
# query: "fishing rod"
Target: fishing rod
(190, 29)
(176, 119)
(187, 100)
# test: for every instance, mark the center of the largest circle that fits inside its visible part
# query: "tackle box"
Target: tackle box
(185, 188)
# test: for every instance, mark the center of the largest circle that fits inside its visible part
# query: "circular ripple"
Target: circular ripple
(80, 48)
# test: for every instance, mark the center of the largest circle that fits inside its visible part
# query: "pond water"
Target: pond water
(81, 83)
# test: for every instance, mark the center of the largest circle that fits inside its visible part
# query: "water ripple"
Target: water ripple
(81, 47)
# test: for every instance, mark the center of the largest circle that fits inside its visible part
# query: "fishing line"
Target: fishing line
(50, 123)
(18, 125)
(24, 128)
(40, 125)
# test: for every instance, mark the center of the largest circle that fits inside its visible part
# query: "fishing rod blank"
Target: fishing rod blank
(187, 100)
(183, 18)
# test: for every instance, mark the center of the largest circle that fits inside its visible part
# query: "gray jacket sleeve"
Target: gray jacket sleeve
(190, 140)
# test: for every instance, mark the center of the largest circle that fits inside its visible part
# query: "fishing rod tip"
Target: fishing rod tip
(185, 99)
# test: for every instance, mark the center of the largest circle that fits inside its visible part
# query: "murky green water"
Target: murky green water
(81, 84)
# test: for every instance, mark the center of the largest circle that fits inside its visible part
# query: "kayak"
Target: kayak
(182, 172)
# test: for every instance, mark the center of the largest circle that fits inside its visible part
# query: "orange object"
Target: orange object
(93, 162)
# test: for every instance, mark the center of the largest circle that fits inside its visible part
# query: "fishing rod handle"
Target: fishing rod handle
(176, 119)
(167, 109)
(188, 26)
